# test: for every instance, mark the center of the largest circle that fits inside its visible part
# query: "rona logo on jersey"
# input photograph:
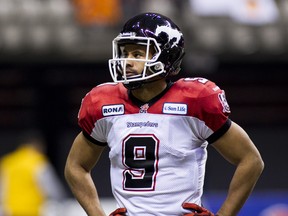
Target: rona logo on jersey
(116, 109)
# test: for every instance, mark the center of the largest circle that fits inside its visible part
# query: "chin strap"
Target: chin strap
(138, 84)
(133, 85)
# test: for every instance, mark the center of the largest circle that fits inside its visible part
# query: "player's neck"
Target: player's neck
(149, 90)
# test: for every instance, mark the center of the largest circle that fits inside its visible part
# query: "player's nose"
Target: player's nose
(129, 62)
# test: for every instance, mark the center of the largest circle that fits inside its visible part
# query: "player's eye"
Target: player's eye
(138, 54)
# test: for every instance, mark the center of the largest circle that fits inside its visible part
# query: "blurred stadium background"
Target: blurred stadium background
(54, 51)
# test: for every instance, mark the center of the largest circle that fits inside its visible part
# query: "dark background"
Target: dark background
(47, 96)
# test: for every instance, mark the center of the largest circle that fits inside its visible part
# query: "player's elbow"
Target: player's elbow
(67, 172)
(260, 164)
(257, 164)
(74, 172)
(70, 172)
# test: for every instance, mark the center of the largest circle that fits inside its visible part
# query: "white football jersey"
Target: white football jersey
(157, 149)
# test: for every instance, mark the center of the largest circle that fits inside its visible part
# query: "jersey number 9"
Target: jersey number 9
(140, 157)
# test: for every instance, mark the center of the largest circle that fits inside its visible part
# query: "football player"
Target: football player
(157, 130)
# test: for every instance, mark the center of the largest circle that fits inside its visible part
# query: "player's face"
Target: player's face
(137, 52)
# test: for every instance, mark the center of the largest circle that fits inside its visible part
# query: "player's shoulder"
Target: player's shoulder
(195, 82)
(106, 88)
(105, 94)
(197, 85)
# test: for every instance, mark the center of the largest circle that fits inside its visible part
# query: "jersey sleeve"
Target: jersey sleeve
(88, 116)
(215, 111)
(211, 107)
(215, 108)
(85, 115)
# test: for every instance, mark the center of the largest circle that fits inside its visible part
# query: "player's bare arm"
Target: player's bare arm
(236, 147)
(82, 158)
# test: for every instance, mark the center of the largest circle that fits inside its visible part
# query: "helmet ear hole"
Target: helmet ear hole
(158, 66)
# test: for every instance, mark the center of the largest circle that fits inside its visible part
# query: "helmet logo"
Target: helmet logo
(172, 33)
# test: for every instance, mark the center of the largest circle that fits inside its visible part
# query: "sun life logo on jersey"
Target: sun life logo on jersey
(175, 108)
(116, 109)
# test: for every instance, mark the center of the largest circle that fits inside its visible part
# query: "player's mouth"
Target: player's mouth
(131, 73)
